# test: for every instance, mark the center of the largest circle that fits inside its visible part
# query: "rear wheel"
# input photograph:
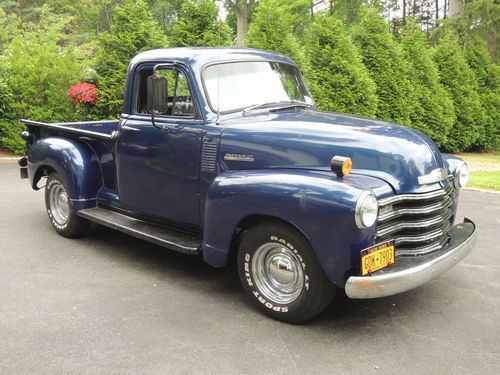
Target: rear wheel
(281, 275)
(57, 204)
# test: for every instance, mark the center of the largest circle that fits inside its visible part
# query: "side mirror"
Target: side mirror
(157, 91)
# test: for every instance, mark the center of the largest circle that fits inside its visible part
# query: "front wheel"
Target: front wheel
(57, 203)
(281, 275)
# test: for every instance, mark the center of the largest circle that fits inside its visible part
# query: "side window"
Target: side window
(179, 100)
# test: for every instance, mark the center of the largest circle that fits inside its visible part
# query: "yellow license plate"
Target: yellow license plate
(377, 257)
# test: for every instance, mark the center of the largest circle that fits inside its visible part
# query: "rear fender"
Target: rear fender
(320, 205)
(76, 164)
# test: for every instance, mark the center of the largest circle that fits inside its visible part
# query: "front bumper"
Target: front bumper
(408, 273)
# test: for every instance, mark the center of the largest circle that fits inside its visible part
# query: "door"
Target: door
(158, 160)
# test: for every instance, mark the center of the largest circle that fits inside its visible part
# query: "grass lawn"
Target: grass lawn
(489, 180)
(485, 170)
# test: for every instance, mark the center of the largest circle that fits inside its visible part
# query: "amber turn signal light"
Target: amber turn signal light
(341, 166)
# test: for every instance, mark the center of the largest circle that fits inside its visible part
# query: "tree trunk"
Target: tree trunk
(404, 11)
(437, 11)
(455, 8)
(241, 12)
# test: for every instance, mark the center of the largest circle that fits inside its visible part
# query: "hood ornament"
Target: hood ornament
(437, 175)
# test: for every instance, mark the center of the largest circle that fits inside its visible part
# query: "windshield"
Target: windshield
(239, 85)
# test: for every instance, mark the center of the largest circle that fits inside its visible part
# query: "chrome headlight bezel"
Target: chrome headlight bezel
(366, 212)
(462, 176)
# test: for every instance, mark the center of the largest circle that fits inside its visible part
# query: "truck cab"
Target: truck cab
(221, 152)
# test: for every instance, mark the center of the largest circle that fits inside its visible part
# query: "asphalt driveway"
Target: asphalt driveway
(112, 304)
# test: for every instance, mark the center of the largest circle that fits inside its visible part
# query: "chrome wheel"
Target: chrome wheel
(277, 273)
(59, 204)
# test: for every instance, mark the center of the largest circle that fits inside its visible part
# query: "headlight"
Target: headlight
(366, 210)
(462, 176)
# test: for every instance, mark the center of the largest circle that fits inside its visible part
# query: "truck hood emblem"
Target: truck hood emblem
(239, 157)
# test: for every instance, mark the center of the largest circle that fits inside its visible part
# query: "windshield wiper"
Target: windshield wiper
(281, 105)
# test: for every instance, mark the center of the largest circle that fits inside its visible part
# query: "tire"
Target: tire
(281, 275)
(57, 203)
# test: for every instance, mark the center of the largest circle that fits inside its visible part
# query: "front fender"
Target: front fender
(318, 204)
(76, 164)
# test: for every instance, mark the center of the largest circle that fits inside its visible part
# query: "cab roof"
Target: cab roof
(205, 55)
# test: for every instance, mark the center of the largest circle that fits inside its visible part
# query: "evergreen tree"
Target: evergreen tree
(487, 76)
(133, 30)
(458, 79)
(433, 111)
(337, 77)
(271, 29)
(198, 25)
(382, 56)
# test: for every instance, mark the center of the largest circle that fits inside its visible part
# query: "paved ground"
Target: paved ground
(111, 304)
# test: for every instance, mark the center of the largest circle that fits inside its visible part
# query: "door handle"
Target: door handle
(172, 129)
(129, 128)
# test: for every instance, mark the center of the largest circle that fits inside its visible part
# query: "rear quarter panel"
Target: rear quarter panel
(74, 161)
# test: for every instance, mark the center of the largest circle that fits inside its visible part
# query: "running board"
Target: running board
(171, 239)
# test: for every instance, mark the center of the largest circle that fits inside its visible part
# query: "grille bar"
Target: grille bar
(437, 233)
(413, 197)
(421, 223)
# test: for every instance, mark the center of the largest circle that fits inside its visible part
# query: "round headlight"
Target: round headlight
(366, 210)
(462, 176)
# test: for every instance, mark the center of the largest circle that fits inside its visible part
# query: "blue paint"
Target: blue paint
(180, 175)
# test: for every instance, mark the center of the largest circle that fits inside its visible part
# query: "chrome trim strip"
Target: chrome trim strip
(390, 283)
(437, 175)
(422, 223)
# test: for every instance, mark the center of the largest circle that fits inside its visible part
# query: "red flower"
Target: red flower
(83, 93)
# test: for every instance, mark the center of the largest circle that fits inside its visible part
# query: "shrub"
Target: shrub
(433, 112)
(338, 79)
(487, 76)
(40, 71)
(388, 69)
(133, 30)
(272, 29)
(197, 25)
(459, 80)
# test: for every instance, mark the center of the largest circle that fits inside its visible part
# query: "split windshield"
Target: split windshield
(239, 85)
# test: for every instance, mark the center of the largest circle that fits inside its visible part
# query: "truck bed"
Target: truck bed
(102, 129)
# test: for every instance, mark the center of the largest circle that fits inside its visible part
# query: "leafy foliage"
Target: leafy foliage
(338, 79)
(443, 82)
(165, 13)
(38, 72)
(487, 76)
(389, 70)
(458, 79)
(133, 30)
(433, 112)
(198, 25)
(271, 29)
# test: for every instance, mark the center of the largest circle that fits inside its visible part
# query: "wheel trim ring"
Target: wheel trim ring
(59, 204)
(269, 278)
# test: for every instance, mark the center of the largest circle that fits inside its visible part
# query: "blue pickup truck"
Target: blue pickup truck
(221, 152)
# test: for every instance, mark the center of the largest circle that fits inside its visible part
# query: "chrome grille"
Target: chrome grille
(418, 223)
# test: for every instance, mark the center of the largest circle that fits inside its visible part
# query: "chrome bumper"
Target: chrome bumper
(408, 273)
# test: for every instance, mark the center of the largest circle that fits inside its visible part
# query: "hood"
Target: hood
(308, 139)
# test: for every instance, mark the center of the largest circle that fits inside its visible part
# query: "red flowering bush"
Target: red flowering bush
(83, 93)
